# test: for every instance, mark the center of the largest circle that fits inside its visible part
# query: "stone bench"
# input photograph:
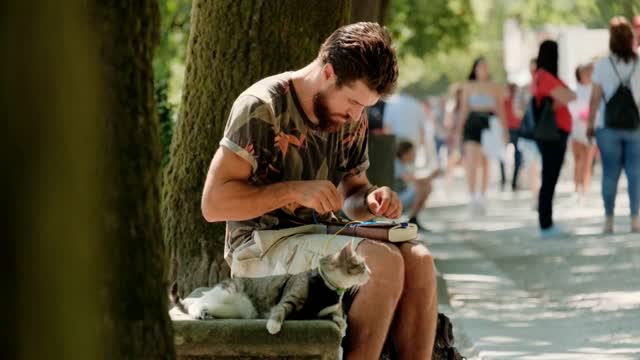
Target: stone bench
(249, 339)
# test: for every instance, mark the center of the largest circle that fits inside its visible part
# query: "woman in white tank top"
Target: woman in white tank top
(481, 99)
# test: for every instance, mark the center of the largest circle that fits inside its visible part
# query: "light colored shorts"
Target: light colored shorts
(286, 251)
(579, 132)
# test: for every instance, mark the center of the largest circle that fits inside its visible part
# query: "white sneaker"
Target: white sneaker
(477, 207)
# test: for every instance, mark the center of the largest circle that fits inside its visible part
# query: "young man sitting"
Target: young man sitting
(294, 151)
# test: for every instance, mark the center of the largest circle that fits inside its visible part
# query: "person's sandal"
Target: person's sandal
(635, 224)
(608, 226)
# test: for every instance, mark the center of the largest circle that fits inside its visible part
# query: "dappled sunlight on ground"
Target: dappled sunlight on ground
(516, 296)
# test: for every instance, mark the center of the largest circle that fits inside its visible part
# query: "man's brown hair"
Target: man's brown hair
(621, 38)
(362, 51)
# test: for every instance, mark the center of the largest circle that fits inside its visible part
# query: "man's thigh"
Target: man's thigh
(418, 263)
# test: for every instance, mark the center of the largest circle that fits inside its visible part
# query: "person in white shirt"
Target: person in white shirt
(619, 145)
(582, 148)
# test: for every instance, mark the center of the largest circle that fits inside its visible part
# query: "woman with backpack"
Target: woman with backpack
(615, 99)
(551, 98)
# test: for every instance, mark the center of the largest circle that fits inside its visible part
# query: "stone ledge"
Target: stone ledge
(249, 339)
(220, 339)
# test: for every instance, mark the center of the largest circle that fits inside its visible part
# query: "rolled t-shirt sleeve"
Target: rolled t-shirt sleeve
(249, 131)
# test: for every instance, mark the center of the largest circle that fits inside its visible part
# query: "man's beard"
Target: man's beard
(321, 110)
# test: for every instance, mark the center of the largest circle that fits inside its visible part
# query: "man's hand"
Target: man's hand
(320, 195)
(384, 202)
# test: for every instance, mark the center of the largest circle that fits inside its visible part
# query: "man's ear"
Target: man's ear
(328, 72)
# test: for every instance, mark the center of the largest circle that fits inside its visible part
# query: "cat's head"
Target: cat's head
(345, 269)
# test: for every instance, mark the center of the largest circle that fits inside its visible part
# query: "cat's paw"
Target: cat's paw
(204, 315)
(199, 312)
(273, 326)
(342, 324)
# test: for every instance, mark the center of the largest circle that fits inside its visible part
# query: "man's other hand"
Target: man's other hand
(320, 195)
(384, 202)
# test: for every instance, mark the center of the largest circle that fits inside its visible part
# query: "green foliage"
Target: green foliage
(592, 13)
(168, 59)
(421, 27)
(428, 64)
(174, 33)
(165, 117)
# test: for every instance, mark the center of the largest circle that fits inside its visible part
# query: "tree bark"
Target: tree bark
(232, 45)
(135, 284)
(49, 259)
(84, 248)
(369, 10)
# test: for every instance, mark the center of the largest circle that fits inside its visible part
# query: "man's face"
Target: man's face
(336, 105)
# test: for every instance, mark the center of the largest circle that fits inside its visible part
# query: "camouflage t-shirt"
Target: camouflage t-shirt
(268, 128)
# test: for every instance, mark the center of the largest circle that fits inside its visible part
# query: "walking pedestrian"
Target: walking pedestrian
(615, 99)
(547, 86)
(581, 146)
(481, 99)
(513, 124)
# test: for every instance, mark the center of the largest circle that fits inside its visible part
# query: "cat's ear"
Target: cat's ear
(347, 249)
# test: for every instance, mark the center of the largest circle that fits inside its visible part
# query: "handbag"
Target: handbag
(528, 123)
(492, 140)
(546, 127)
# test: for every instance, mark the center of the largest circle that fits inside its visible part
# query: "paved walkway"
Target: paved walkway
(513, 295)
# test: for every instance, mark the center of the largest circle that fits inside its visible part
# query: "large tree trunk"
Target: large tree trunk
(84, 247)
(369, 10)
(136, 288)
(49, 258)
(232, 45)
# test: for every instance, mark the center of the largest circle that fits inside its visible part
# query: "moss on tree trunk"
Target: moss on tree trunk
(369, 10)
(232, 45)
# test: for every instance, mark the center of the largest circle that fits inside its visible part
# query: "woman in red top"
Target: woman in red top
(513, 124)
(546, 84)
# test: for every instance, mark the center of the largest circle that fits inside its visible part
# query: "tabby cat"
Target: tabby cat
(316, 293)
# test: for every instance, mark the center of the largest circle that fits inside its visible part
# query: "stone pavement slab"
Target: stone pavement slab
(514, 295)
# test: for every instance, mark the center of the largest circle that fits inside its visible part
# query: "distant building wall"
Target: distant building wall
(576, 45)
(579, 46)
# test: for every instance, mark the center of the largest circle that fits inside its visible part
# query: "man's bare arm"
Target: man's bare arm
(363, 201)
(228, 195)
(354, 188)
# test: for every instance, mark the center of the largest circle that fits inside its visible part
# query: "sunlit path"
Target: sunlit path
(515, 296)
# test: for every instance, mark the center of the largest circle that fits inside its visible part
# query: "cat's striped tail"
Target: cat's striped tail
(174, 296)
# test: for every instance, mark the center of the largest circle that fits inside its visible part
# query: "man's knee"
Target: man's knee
(386, 264)
(419, 265)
